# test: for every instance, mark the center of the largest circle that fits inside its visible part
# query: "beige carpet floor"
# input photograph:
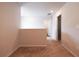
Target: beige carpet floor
(54, 49)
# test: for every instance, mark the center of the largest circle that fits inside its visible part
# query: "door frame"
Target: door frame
(59, 18)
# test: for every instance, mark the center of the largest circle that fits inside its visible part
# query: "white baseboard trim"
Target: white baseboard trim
(25, 46)
(13, 51)
(51, 38)
(33, 46)
(69, 50)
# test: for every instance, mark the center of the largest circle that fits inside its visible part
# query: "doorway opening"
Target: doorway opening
(59, 28)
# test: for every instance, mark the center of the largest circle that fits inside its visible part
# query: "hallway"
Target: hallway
(54, 49)
(26, 26)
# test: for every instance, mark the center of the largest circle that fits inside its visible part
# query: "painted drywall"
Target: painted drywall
(30, 17)
(35, 15)
(54, 24)
(33, 37)
(70, 26)
(9, 25)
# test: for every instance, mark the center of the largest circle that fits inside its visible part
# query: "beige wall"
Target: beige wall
(9, 24)
(33, 37)
(70, 26)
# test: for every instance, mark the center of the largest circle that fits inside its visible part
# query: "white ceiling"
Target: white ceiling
(42, 8)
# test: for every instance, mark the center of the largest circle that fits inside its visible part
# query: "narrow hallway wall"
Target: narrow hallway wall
(70, 26)
(9, 25)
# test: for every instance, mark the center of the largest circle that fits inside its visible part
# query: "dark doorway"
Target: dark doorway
(59, 28)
